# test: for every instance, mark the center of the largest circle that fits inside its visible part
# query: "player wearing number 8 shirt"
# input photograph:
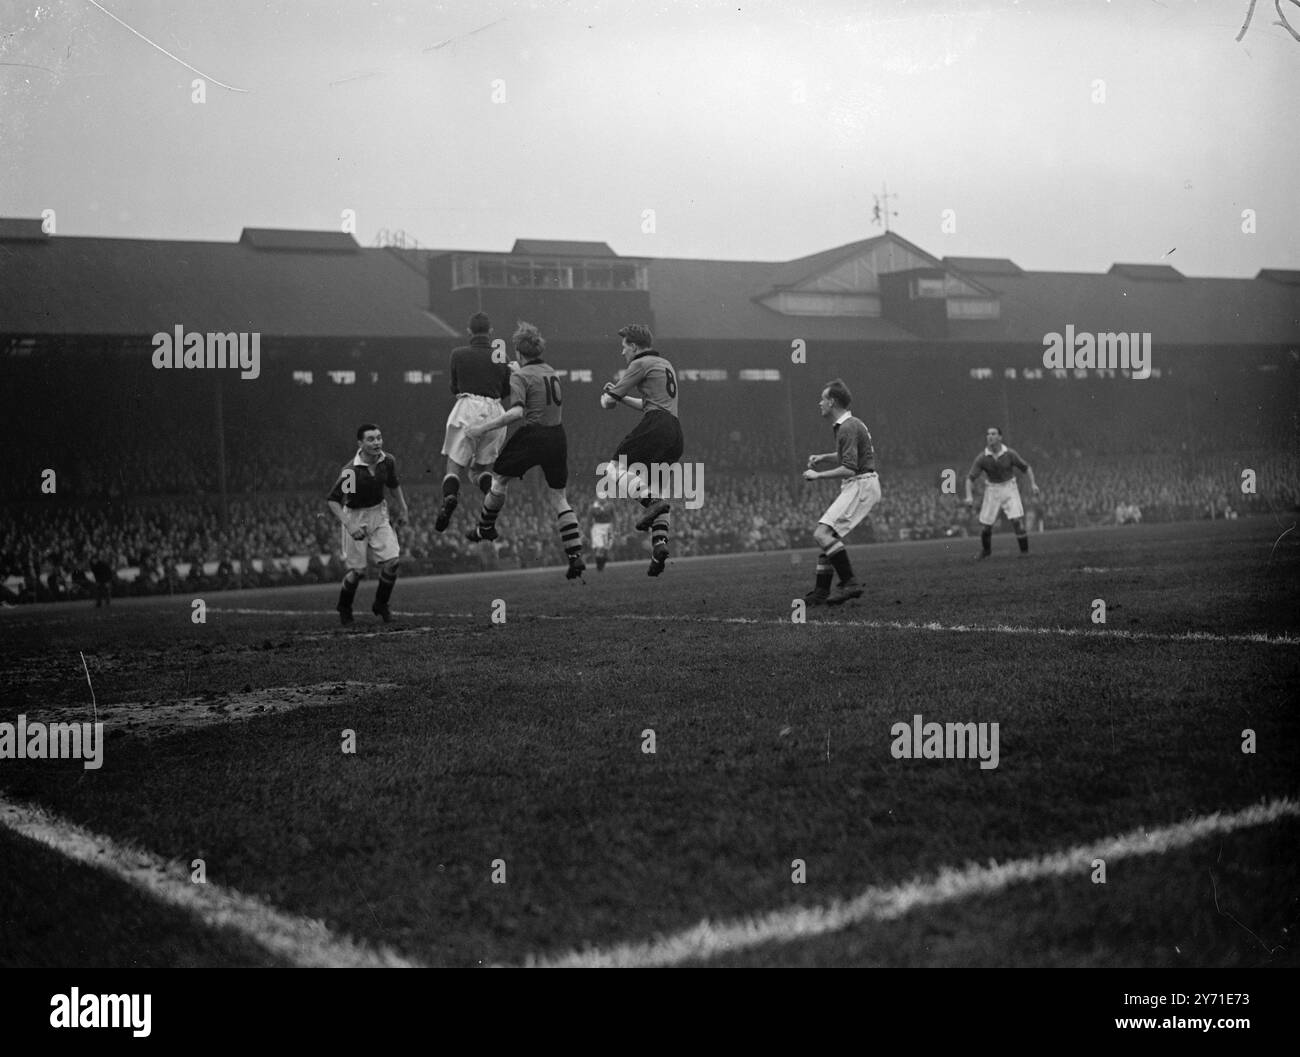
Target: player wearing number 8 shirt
(535, 398)
(657, 438)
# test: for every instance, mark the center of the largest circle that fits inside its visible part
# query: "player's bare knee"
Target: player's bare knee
(824, 535)
(388, 569)
(352, 577)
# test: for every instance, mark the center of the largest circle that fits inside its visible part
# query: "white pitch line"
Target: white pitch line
(304, 942)
(708, 940)
(878, 625)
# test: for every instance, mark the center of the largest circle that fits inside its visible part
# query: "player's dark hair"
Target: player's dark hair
(529, 341)
(479, 323)
(998, 428)
(365, 428)
(839, 392)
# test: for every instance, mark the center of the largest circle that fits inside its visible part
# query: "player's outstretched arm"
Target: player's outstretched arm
(500, 422)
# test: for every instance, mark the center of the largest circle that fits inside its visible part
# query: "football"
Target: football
(607, 401)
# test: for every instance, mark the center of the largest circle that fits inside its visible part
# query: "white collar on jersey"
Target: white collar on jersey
(840, 421)
(990, 451)
(359, 461)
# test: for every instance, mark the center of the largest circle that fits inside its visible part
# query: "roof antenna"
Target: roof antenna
(881, 213)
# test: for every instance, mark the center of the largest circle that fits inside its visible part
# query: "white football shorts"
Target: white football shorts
(602, 535)
(471, 409)
(381, 540)
(1001, 498)
(857, 496)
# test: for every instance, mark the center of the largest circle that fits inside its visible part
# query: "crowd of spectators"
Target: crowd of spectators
(48, 550)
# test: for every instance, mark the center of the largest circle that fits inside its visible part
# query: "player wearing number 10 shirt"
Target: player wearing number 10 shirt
(657, 438)
(535, 398)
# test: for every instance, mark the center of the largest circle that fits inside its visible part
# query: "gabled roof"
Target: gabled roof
(715, 301)
(802, 269)
(138, 287)
(559, 248)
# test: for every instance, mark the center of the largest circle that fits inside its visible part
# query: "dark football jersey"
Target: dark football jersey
(853, 444)
(360, 485)
(474, 371)
(1000, 468)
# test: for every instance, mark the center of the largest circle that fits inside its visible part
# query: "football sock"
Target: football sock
(840, 563)
(570, 534)
(1022, 537)
(600, 563)
(451, 485)
(824, 573)
(349, 591)
(492, 504)
(659, 530)
(986, 539)
(387, 577)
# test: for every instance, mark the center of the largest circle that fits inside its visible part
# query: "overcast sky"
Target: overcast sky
(752, 130)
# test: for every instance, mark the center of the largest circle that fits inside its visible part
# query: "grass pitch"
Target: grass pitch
(500, 803)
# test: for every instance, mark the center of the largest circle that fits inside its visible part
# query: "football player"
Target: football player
(657, 438)
(480, 384)
(535, 398)
(357, 500)
(1001, 494)
(854, 460)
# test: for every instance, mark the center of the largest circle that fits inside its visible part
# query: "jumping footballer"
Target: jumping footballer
(657, 438)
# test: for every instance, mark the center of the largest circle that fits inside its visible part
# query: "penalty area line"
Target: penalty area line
(711, 939)
(304, 942)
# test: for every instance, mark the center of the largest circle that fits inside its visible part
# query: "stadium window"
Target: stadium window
(343, 377)
(302, 377)
(418, 378)
(927, 288)
(760, 374)
(596, 277)
(1009, 372)
(973, 308)
(624, 276)
(981, 373)
(579, 376)
(1060, 373)
(491, 273)
(1032, 372)
(1081, 372)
